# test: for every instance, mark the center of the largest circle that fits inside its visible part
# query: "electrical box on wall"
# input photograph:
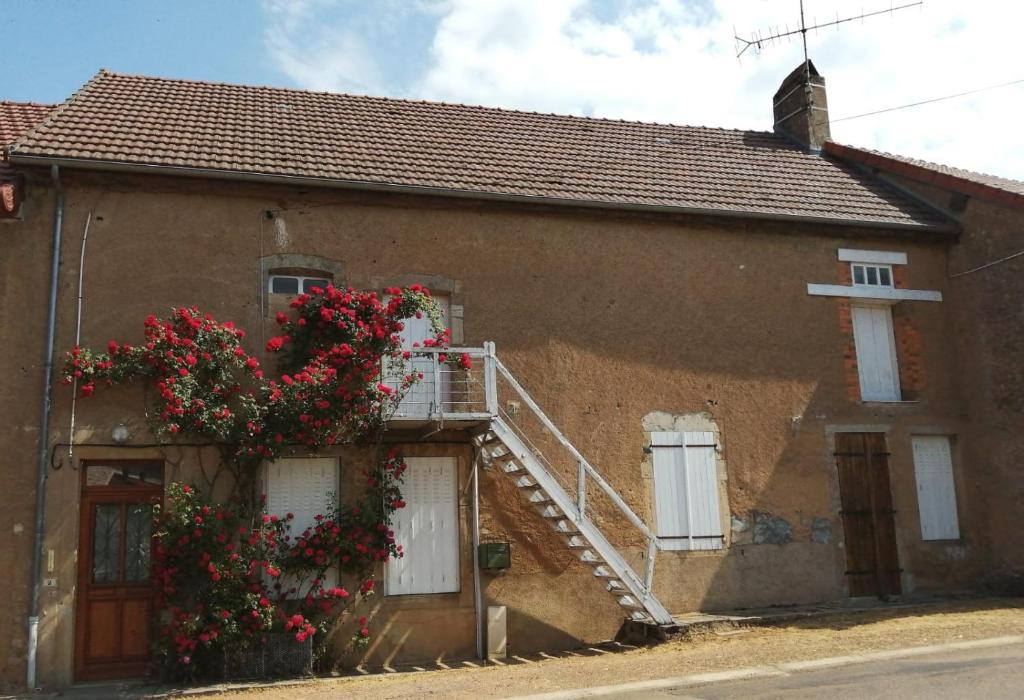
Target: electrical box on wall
(495, 555)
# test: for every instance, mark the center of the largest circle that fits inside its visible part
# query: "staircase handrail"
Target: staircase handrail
(564, 441)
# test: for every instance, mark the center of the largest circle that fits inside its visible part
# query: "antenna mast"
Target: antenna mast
(758, 42)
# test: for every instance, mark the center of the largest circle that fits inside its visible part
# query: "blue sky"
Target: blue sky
(652, 60)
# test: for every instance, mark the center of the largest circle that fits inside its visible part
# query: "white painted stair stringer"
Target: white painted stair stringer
(502, 444)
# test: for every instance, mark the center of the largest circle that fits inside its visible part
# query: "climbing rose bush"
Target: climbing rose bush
(229, 573)
(330, 390)
(225, 579)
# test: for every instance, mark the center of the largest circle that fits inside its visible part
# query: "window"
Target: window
(876, 353)
(427, 529)
(936, 493)
(305, 488)
(686, 495)
(872, 275)
(294, 284)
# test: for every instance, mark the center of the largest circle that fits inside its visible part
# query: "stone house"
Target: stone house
(714, 368)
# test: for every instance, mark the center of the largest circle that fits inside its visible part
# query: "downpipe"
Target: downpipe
(44, 438)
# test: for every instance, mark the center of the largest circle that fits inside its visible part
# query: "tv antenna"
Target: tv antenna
(757, 41)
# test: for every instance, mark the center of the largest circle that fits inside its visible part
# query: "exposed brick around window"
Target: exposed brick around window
(908, 355)
(851, 379)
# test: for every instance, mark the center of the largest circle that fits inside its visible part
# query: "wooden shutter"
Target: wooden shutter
(876, 353)
(869, 527)
(304, 487)
(686, 496)
(428, 529)
(936, 493)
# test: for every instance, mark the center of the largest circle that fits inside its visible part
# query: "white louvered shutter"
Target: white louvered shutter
(304, 487)
(936, 493)
(687, 509)
(428, 529)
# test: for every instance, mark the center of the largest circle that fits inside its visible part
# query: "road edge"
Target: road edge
(772, 670)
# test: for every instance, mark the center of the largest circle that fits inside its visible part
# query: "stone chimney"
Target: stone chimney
(801, 107)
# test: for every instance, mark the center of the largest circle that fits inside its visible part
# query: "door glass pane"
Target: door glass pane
(137, 540)
(106, 543)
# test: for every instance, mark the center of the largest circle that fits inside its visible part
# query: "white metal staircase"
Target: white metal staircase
(468, 396)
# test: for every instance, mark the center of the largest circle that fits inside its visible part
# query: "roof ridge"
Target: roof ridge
(422, 101)
(56, 110)
(27, 104)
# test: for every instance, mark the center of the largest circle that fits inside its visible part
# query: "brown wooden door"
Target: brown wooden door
(115, 591)
(872, 564)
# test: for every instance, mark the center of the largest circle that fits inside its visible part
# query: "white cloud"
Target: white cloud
(674, 61)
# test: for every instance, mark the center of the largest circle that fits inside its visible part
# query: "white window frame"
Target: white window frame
(866, 269)
(886, 257)
(936, 487)
(302, 280)
(686, 463)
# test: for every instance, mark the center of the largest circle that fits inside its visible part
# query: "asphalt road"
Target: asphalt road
(992, 674)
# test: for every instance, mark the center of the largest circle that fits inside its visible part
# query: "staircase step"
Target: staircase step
(628, 601)
(530, 472)
(566, 527)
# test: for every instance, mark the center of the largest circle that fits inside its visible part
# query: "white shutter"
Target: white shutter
(936, 493)
(687, 509)
(876, 353)
(427, 528)
(304, 487)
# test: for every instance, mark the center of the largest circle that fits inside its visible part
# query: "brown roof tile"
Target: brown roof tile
(16, 118)
(999, 189)
(244, 130)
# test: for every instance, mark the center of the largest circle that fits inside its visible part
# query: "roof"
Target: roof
(16, 118)
(999, 189)
(119, 121)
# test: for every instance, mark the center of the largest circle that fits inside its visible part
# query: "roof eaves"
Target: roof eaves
(922, 173)
(950, 227)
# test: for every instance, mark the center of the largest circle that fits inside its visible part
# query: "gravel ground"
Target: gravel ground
(831, 635)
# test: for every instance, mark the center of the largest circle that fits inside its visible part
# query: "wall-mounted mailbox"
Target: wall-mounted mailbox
(495, 555)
